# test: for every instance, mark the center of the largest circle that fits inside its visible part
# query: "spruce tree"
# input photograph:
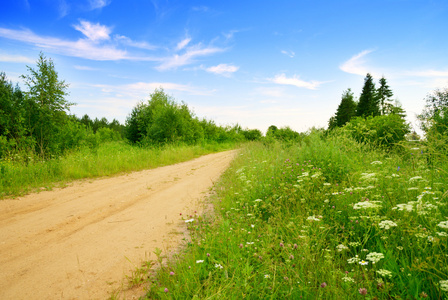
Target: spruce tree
(384, 94)
(368, 101)
(346, 109)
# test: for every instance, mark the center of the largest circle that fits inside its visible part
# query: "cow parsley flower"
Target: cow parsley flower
(443, 224)
(374, 257)
(385, 273)
(387, 224)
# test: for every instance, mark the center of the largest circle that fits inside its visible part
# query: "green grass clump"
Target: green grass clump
(329, 218)
(17, 178)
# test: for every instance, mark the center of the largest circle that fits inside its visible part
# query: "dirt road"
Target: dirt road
(81, 241)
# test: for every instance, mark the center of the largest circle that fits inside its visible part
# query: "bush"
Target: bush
(384, 131)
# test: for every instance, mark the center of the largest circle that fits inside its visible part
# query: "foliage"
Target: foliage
(286, 227)
(368, 101)
(384, 131)
(435, 112)
(384, 94)
(346, 109)
(284, 134)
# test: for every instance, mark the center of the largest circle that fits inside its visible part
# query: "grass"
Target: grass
(325, 219)
(108, 159)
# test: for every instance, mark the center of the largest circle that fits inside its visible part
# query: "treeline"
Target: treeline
(36, 123)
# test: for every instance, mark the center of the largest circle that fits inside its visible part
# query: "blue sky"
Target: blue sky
(255, 63)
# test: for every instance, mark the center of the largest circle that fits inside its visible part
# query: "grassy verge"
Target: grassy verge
(328, 219)
(108, 159)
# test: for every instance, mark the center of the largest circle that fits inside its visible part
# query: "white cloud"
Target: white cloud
(289, 53)
(427, 73)
(296, 81)
(94, 32)
(355, 65)
(186, 58)
(98, 4)
(181, 45)
(128, 42)
(16, 58)
(222, 69)
(84, 68)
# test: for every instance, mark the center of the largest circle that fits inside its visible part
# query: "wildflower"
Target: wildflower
(200, 261)
(171, 273)
(423, 295)
(327, 183)
(354, 244)
(384, 273)
(387, 224)
(377, 162)
(249, 243)
(267, 276)
(323, 285)
(363, 291)
(258, 200)
(218, 266)
(443, 224)
(281, 245)
(295, 246)
(312, 218)
(367, 204)
(348, 279)
(252, 225)
(353, 259)
(374, 257)
(363, 263)
(444, 285)
(208, 254)
(415, 178)
(166, 290)
(442, 234)
(291, 257)
(341, 247)
(189, 221)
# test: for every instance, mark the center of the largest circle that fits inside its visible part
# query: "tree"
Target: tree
(47, 93)
(346, 109)
(435, 114)
(368, 101)
(384, 94)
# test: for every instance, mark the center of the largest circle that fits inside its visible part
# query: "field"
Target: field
(325, 218)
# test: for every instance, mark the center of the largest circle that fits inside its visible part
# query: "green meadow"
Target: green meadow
(324, 218)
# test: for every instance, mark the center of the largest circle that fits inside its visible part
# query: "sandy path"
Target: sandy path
(79, 242)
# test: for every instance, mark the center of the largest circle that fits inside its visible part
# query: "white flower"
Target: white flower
(267, 276)
(189, 221)
(387, 224)
(341, 247)
(444, 285)
(258, 200)
(353, 259)
(199, 261)
(367, 204)
(313, 218)
(327, 183)
(218, 266)
(374, 257)
(385, 273)
(348, 279)
(443, 224)
(249, 243)
(376, 162)
(415, 178)
(363, 263)
(442, 233)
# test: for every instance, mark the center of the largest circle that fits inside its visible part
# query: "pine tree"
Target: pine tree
(346, 109)
(368, 101)
(384, 94)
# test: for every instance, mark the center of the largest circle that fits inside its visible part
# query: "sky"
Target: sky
(252, 63)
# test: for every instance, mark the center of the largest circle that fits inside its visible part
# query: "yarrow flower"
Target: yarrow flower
(313, 218)
(443, 224)
(385, 273)
(387, 224)
(367, 204)
(444, 285)
(348, 279)
(199, 261)
(374, 257)
(376, 162)
(341, 247)
(353, 260)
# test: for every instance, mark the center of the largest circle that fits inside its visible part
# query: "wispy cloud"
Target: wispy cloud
(355, 65)
(94, 32)
(15, 58)
(187, 58)
(84, 68)
(223, 69)
(63, 8)
(296, 81)
(128, 42)
(182, 44)
(427, 73)
(141, 89)
(289, 53)
(98, 4)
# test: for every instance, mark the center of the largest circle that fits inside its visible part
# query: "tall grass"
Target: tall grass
(327, 219)
(107, 159)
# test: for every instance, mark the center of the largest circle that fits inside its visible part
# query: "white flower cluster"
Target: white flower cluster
(341, 247)
(387, 224)
(444, 285)
(385, 273)
(443, 224)
(353, 260)
(313, 218)
(348, 279)
(416, 178)
(367, 204)
(376, 162)
(405, 206)
(368, 176)
(374, 257)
